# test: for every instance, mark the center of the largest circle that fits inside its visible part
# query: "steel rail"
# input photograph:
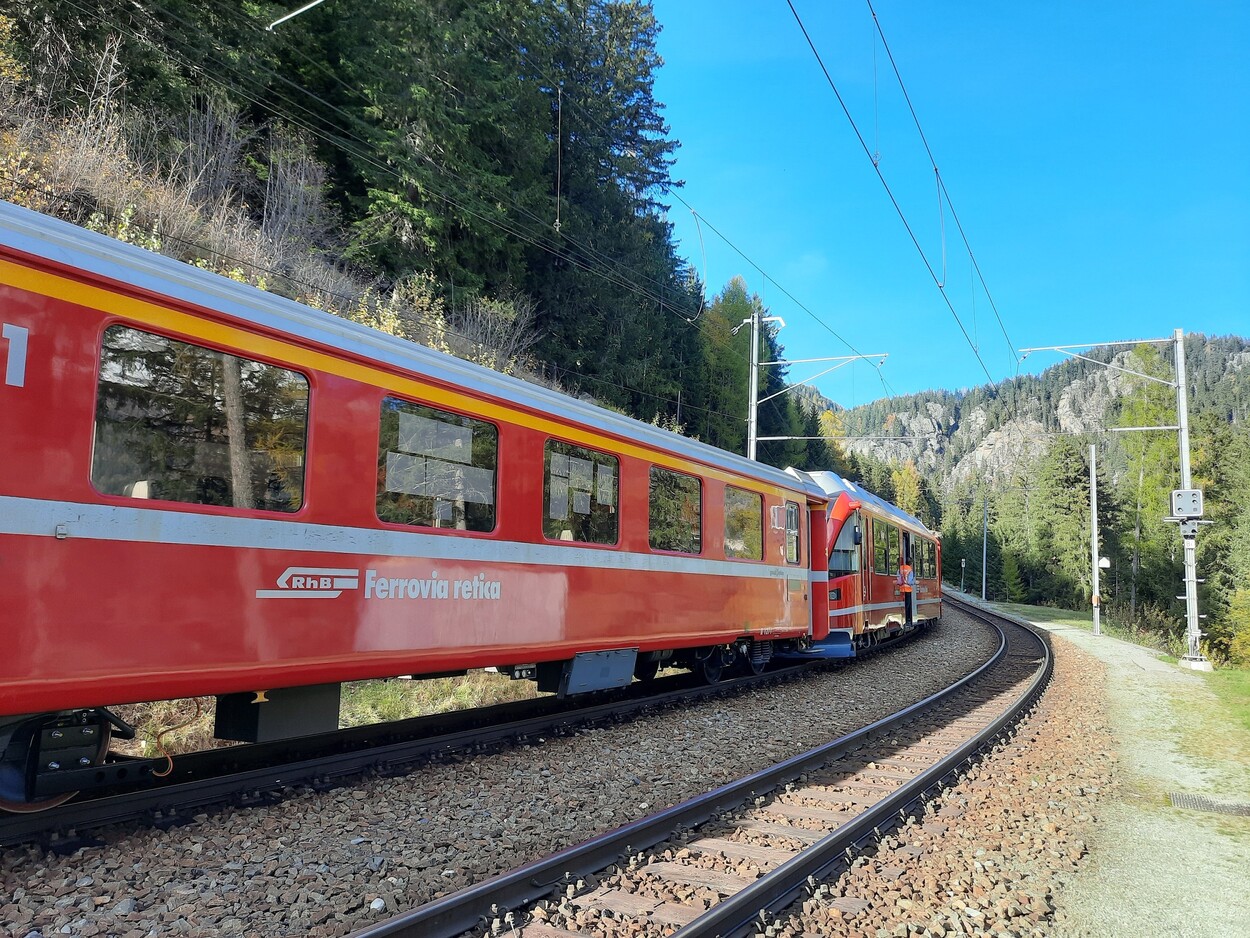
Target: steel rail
(463, 910)
(739, 914)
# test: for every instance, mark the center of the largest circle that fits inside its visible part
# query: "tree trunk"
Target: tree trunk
(240, 470)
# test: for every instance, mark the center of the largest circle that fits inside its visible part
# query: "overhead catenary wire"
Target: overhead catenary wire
(315, 126)
(346, 142)
(941, 183)
(670, 190)
(889, 192)
(348, 137)
(355, 145)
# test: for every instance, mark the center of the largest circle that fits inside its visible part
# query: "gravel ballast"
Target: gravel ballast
(323, 864)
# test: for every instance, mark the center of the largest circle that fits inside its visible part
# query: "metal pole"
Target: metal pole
(963, 565)
(1188, 536)
(985, 536)
(1095, 599)
(753, 399)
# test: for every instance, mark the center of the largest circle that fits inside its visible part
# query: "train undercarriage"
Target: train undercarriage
(47, 759)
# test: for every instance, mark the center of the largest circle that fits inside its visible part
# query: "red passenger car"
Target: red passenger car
(208, 490)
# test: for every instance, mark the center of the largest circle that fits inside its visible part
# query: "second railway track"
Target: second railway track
(762, 842)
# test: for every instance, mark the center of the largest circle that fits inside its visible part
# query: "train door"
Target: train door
(798, 582)
(908, 588)
(847, 585)
(818, 576)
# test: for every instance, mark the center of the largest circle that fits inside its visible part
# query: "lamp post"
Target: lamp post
(1095, 599)
(985, 538)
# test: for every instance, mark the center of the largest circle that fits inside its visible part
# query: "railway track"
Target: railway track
(724, 863)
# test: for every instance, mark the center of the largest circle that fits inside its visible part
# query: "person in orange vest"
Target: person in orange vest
(906, 585)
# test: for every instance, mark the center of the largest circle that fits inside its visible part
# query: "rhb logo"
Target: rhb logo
(312, 583)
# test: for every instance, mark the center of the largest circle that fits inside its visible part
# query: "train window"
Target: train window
(793, 554)
(928, 560)
(184, 423)
(436, 469)
(744, 524)
(895, 553)
(844, 558)
(676, 512)
(880, 547)
(579, 494)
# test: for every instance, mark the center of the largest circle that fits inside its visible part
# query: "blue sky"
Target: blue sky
(1097, 155)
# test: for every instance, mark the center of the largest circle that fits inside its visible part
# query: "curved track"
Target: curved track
(762, 841)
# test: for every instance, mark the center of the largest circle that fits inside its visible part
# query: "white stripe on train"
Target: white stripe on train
(41, 518)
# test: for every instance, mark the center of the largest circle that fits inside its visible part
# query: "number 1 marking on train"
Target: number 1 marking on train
(15, 369)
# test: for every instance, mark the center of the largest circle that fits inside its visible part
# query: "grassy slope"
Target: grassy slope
(1216, 727)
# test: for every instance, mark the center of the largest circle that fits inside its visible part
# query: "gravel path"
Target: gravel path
(323, 864)
(1157, 870)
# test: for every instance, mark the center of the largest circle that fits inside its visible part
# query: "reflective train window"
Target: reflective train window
(928, 560)
(676, 512)
(436, 469)
(895, 551)
(793, 554)
(880, 546)
(184, 423)
(844, 557)
(579, 494)
(744, 524)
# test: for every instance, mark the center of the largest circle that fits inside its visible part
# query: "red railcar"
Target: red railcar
(869, 541)
(210, 490)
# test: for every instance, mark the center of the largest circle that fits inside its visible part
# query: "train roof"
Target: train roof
(74, 247)
(834, 485)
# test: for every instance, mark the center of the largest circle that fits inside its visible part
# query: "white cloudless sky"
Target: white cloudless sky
(1096, 154)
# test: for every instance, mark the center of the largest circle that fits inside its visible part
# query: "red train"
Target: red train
(212, 491)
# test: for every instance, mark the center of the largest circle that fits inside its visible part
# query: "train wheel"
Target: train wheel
(710, 663)
(13, 769)
(33, 807)
(645, 669)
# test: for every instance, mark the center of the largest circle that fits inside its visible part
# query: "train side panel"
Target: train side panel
(114, 591)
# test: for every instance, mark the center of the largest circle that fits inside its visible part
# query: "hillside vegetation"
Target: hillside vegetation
(1011, 461)
(487, 178)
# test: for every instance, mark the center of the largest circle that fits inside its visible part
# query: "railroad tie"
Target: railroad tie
(768, 856)
(725, 884)
(775, 829)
